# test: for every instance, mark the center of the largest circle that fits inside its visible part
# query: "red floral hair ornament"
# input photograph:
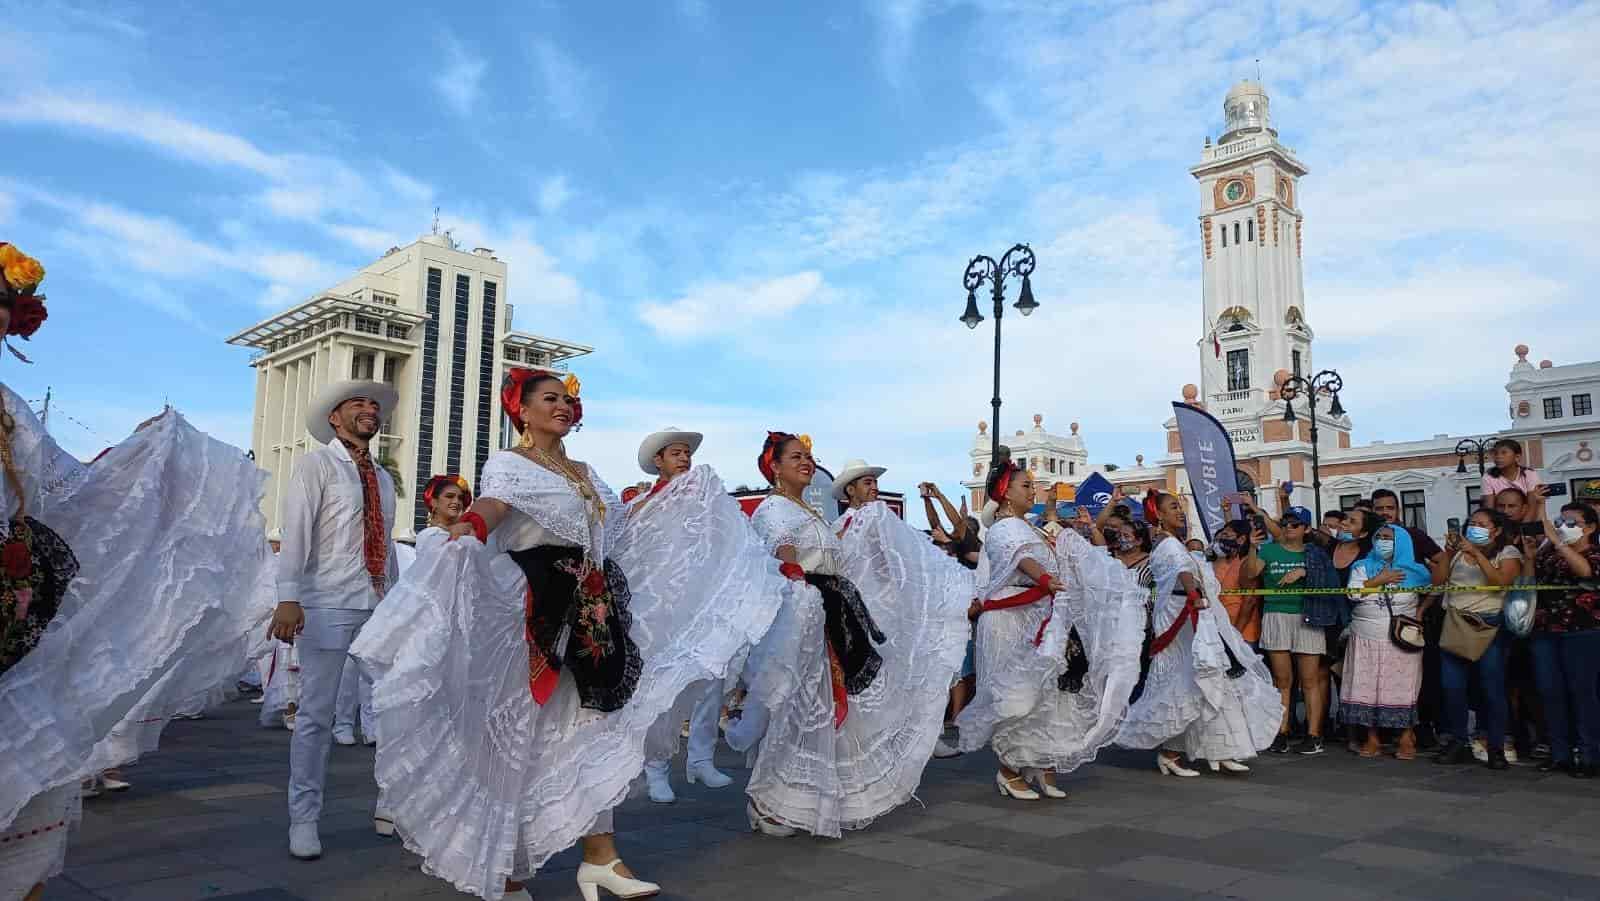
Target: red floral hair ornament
(20, 276)
(1002, 482)
(517, 380)
(1152, 506)
(439, 483)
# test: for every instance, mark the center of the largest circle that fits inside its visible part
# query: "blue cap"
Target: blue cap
(1300, 513)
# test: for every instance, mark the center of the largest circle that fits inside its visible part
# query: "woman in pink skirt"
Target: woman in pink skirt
(1380, 677)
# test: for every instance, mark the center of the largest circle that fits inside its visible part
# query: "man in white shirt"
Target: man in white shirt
(337, 561)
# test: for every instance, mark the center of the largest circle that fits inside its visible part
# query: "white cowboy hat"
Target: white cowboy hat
(335, 393)
(657, 442)
(853, 470)
(275, 535)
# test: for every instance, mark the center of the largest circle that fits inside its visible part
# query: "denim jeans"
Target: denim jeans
(1455, 675)
(1567, 668)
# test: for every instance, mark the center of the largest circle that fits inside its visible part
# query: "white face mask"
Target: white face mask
(1385, 548)
(1569, 534)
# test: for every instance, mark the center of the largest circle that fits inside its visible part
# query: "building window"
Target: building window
(1236, 234)
(425, 389)
(1581, 405)
(368, 325)
(362, 367)
(1414, 509)
(397, 332)
(1250, 230)
(1552, 408)
(1474, 499)
(1239, 370)
(1224, 234)
(486, 385)
(391, 366)
(1347, 502)
(1072, 468)
(1294, 357)
(458, 373)
(1051, 465)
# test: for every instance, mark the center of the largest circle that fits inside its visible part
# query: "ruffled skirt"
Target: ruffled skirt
(33, 849)
(1242, 713)
(168, 534)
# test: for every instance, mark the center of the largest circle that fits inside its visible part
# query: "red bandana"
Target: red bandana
(374, 544)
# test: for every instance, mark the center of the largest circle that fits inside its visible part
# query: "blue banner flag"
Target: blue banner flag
(1094, 494)
(1208, 459)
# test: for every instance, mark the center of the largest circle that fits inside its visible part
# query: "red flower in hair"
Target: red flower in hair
(27, 314)
(517, 379)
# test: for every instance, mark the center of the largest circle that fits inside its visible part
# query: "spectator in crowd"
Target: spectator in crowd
(1428, 553)
(1380, 678)
(1333, 526)
(1231, 554)
(1484, 554)
(1566, 637)
(1293, 648)
(1513, 505)
(1507, 471)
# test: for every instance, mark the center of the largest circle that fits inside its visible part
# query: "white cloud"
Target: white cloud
(554, 192)
(897, 25)
(714, 307)
(460, 80)
(569, 88)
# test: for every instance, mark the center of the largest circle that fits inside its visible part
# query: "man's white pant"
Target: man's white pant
(355, 690)
(324, 647)
(702, 745)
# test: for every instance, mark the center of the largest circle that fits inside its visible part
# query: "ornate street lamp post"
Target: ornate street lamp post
(1465, 446)
(1326, 382)
(1017, 261)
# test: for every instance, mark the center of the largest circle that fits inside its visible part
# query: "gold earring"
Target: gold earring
(527, 437)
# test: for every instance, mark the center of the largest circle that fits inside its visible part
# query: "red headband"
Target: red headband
(20, 275)
(517, 379)
(1152, 506)
(439, 483)
(1003, 483)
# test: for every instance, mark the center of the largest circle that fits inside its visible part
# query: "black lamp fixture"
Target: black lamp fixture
(972, 317)
(1325, 383)
(1478, 446)
(1017, 261)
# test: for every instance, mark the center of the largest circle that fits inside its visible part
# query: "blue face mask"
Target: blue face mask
(1344, 535)
(1385, 548)
(1477, 535)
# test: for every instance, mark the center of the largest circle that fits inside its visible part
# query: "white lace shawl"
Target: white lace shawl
(1009, 542)
(552, 504)
(48, 473)
(783, 523)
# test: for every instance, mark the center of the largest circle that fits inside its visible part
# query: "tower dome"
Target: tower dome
(1244, 110)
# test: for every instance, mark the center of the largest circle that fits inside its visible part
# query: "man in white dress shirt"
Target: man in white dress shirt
(336, 563)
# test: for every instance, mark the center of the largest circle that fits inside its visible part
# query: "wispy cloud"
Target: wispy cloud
(897, 26)
(725, 306)
(459, 80)
(554, 192)
(570, 93)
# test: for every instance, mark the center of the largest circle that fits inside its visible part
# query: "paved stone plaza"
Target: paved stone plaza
(206, 820)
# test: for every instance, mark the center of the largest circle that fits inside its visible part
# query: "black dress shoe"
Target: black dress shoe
(1555, 766)
(1497, 761)
(1455, 753)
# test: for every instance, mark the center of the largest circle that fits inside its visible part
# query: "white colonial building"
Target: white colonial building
(1256, 331)
(428, 318)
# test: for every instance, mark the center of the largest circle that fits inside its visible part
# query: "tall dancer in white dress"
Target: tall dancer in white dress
(337, 562)
(120, 584)
(1207, 694)
(919, 596)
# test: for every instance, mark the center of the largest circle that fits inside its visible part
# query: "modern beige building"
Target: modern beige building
(428, 318)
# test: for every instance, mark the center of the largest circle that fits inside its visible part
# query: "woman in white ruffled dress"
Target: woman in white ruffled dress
(919, 596)
(1057, 647)
(119, 584)
(1207, 695)
(833, 739)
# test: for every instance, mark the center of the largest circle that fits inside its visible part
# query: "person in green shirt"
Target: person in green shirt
(1292, 647)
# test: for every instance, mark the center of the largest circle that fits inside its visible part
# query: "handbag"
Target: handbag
(1466, 635)
(1405, 632)
(1521, 604)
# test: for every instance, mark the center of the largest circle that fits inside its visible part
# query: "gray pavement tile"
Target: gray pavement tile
(1275, 887)
(1061, 819)
(1003, 869)
(913, 851)
(1420, 839)
(1177, 872)
(62, 889)
(1456, 888)
(1269, 802)
(985, 837)
(206, 884)
(927, 885)
(1547, 857)
(229, 790)
(1512, 879)
(141, 868)
(965, 812)
(1097, 887)
(1199, 822)
(265, 894)
(1391, 857)
(1377, 879)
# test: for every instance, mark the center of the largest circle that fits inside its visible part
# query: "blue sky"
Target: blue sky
(759, 213)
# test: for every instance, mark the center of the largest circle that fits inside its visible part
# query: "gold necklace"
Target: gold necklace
(778, 490)
(579, 481)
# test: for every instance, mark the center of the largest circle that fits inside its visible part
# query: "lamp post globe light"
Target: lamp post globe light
(1018, 261)
(1329, 383)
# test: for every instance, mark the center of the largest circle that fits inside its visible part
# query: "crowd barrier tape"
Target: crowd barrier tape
(1388, 589)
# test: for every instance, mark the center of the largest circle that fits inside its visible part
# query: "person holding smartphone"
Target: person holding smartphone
(1486, 555)
(1566, 639)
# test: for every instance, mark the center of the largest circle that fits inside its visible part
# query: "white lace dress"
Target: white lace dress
(484, 783)
(1190, 702)
(697, 569)
(918, 596)
(168, 538)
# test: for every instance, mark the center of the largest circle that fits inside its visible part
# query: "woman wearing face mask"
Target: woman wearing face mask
(1207, 694)
(1233, 548)
(1484, 554)
(1381, 679)
(1566, 639)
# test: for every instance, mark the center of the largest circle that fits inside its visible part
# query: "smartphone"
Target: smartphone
(1533, 529)
(1555, 490)
(1453, 525)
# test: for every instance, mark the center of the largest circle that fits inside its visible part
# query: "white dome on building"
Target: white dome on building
(1246, 108)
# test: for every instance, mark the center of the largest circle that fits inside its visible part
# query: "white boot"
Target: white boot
(304, 842)
(708, 774)
(344, 735)
(656, 780)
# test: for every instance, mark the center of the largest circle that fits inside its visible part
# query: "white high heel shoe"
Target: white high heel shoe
(1045, 788)
(1229, 767)
(383, 822)
(1171, 766)
(1008, 788)
(594, 877)
(708, 774)
(763, 825)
